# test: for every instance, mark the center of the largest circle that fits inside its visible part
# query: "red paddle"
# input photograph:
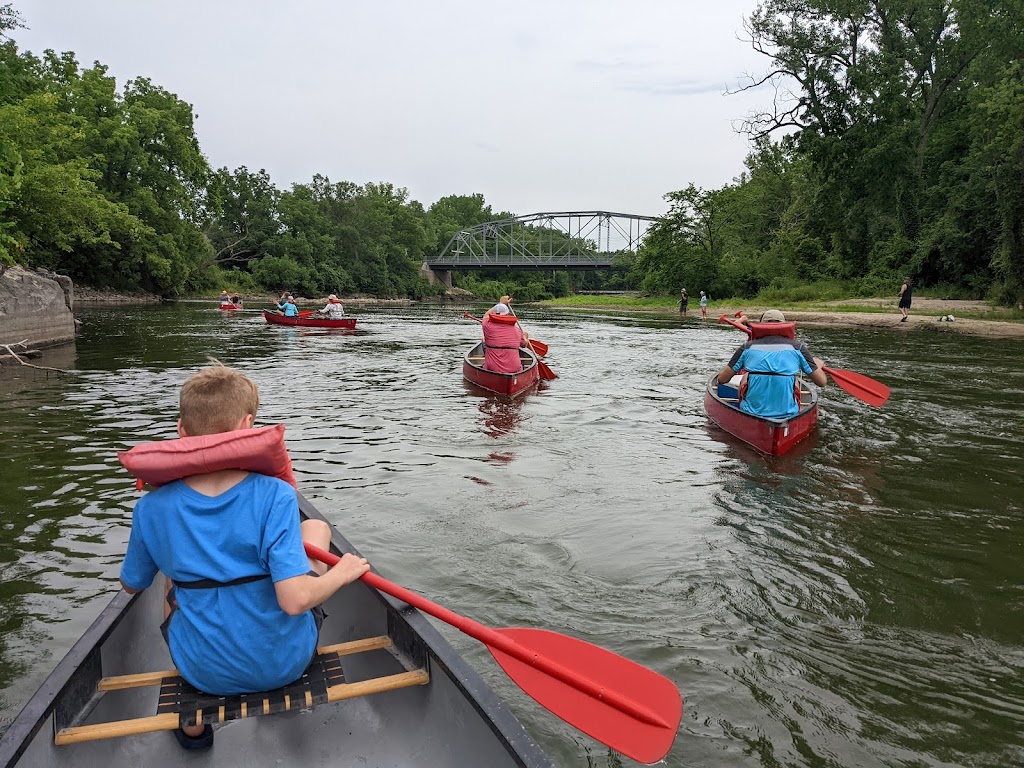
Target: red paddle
(857, 384)
(622, 704)
(538, 346)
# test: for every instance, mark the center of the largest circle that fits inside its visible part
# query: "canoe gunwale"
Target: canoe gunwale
(44, 701)
(480, 695)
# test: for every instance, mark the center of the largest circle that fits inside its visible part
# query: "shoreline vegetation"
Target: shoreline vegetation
(974, 318)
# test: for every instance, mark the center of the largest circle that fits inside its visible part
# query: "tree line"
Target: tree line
(894, 146)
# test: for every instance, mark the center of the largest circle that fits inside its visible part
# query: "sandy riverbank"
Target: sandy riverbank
(873, 313)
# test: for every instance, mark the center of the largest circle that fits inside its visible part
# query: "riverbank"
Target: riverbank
(926, 315)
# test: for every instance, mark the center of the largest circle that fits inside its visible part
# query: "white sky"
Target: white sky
(540, 105)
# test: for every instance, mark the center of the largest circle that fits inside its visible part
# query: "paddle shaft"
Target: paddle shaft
(496, 640)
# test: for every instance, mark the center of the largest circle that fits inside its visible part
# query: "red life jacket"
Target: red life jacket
(506, 319)
(261, 450)
(335, 301)
(760, 330)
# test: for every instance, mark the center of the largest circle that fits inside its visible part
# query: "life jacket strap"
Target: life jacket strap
(214, 584)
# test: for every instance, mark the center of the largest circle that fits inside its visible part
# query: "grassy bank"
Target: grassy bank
(923, 305)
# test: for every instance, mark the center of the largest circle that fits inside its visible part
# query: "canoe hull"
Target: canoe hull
(508, 384)
(273, 318)
(773, 437)
(227, 307)
(454, 720)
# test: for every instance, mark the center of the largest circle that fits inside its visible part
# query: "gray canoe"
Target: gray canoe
(453, 720)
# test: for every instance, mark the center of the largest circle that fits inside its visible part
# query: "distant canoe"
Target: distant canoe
(309, 321)
(771, 436)
(230, 306)
(510, 384)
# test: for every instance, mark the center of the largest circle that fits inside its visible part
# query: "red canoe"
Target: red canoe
(310, 322)
(511, 384)
(230, 306)
(771, 436)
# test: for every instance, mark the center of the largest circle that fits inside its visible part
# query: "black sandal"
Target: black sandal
(202, 741)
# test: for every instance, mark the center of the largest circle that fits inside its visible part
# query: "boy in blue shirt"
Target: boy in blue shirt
(772, 364)
(243, 601)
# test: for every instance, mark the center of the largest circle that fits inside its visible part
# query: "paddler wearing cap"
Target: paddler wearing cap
(334, 309)
(502, 338)
(770, 361)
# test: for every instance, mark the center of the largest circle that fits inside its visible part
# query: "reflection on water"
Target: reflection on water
(857, 602)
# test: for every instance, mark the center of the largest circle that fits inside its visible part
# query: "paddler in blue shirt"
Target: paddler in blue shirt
(771, 362)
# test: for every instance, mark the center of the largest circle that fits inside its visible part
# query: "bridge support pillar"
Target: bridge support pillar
(442, 275)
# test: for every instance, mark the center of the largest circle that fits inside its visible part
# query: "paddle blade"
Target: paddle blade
(306, 313)
(631, 734)
(539, 347)
(860, 386)
(545, 372)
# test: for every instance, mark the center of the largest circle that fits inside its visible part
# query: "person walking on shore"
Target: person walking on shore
(684, 300)
(905, 294)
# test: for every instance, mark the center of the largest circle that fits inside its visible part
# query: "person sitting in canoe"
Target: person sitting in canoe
(243, 601)
(286, 306)
(772, 359)
(237, 300)
(224, 298)
(334, 310)
(502, 338)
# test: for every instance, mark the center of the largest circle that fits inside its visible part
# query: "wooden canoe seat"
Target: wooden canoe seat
(180, 704)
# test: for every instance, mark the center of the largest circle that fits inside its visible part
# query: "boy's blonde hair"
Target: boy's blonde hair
(216, 399)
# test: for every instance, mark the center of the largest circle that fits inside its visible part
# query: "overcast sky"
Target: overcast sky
(540, 105)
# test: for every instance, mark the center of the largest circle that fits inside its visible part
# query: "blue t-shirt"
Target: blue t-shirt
(233, 639)
(772, 396)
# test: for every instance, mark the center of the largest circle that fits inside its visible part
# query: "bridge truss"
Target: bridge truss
(558, 240)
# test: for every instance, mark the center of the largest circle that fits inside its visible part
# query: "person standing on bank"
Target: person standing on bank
(684, 300)
(703, 306)
(905, 294)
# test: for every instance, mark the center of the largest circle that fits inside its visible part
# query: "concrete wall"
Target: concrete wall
(432, 276)
(35, 307)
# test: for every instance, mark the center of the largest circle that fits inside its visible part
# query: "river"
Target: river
(857, 603)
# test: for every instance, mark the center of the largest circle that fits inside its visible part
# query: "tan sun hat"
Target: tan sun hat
(773, 316)
(332, 297)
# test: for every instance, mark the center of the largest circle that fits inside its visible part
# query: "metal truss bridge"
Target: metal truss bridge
(559, 240)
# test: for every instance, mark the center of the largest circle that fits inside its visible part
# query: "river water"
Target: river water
(857, 603)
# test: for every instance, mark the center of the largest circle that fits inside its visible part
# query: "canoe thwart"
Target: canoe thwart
(181, 705)
(144, 679)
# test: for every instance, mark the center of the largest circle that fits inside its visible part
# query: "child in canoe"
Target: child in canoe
(243, 602)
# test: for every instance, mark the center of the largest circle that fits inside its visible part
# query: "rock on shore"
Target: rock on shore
(35, 309)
